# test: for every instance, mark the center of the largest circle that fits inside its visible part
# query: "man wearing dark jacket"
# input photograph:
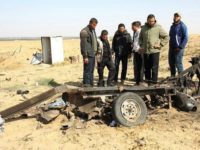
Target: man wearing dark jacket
(178, 40)
(89, 46)
(122, 47)
(106, 59)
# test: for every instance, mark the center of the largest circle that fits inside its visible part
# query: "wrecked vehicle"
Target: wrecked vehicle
(128, 105)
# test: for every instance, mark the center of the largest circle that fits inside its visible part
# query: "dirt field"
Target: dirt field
(166, 129)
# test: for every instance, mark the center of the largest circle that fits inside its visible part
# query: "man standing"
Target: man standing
(88, 50)
(178, 40)
(138, 57)
(122, 47)
(152, 39)
(106, 59)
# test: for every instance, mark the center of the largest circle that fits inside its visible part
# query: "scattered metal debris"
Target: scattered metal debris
(47, 116)
(37, 58)
(57, 104)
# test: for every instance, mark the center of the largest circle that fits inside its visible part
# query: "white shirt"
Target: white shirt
(136, 44)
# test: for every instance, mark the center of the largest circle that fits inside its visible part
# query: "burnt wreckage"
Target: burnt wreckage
(129, 105)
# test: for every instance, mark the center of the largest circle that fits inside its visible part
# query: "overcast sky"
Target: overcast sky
(30, 18)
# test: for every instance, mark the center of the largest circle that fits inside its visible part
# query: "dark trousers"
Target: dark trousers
(176, 61)
(124, 60)
(151, 63)
(106, 62)
(88, 73)
(138, 62)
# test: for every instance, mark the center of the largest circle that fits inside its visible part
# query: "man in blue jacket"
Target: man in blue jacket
(178, 40)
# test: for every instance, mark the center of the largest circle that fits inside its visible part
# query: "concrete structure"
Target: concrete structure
(52, 49)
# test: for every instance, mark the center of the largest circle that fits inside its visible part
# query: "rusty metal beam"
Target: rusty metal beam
(37, 99)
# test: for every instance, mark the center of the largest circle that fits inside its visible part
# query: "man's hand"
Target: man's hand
(157, 46)
(141, 50)
(85, 60)
(129, 55)
(177, 50)
(98, 57)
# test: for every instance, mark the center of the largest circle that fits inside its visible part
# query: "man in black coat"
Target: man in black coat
(122, 47)
(89, 46)
(105, 60)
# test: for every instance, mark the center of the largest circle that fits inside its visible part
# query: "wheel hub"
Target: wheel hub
(130, 110)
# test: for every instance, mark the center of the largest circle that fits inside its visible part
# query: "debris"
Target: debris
(185, 102)
(80, 124)
(27, 138)
(8, 79)
(37, 58)
(22, 92)
(74, 59)
(141, 142)
(1, 124)
(48, 112)
(67, 126)
(113, 123)
(71, 117)
(57, 104)
(48, 116)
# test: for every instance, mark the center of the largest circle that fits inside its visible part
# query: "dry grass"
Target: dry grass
(168, 129)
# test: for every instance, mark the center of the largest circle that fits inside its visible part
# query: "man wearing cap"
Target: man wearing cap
(152, 39)
(178, 39)
(105, 60)
(88, 44)
(122, 46)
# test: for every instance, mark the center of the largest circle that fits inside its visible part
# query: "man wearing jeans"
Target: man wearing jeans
(89, 46)
(106, 60)
(178, 40)
(152, 39)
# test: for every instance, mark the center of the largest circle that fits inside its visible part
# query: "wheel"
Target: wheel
(129, 109)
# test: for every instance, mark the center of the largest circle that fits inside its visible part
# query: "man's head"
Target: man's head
(104, 34)
(177, 17)
(121, 28)
(136, 26)
(93, 23)
(151, 20)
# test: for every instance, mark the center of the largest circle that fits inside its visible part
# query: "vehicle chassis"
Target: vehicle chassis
(87, 99)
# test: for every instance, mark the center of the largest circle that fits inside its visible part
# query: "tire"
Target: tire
(126, 117)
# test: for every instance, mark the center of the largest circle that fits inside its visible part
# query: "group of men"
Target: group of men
(146, 44)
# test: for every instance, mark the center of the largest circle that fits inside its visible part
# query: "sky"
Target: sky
(35, 18)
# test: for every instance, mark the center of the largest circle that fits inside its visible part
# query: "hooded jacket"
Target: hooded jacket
(178, 36)
(122, 43)
(152, 36)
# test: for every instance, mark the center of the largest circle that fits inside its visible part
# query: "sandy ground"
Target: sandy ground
(166, 129)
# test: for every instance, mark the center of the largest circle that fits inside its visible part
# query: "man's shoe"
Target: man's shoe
(122, 82)
(101, 84)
